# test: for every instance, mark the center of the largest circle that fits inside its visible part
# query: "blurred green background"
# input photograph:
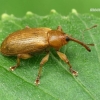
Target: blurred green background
(43, 7)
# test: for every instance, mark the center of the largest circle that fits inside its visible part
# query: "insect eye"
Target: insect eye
(67, 38)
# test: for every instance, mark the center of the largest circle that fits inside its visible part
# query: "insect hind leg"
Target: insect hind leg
(20, 56)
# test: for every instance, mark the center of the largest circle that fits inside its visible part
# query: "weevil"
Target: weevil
(24, 43)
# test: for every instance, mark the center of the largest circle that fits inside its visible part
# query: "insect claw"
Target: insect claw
(75, 73)
(12, 68)
(37, 82)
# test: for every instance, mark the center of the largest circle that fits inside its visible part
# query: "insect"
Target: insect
(25, 42)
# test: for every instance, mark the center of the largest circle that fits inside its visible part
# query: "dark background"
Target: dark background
(43, 7)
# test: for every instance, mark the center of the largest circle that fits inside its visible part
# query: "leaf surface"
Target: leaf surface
(57, 83)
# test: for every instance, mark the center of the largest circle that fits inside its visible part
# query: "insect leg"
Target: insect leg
(59, 28)
(65, 59)
(19, 56)
(43, 61)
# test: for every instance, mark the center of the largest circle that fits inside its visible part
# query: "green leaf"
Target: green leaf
(57, 83)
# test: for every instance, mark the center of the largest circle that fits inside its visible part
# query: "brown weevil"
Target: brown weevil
(25, 42)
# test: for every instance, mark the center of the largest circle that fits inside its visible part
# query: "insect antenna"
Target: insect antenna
(68, 38)
(90, 44)
(90, 28)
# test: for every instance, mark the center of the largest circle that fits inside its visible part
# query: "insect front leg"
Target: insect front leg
(43, 61)
(65, 59)
(20, 56)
